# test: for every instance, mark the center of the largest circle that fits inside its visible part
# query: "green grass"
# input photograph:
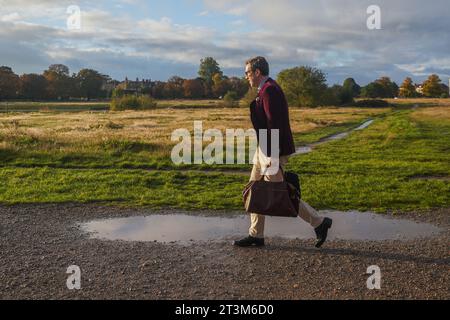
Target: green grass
(383, 167)
(375, 169)
(187, 190)
(30, 152)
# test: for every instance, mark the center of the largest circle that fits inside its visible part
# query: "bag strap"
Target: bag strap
(279, 168)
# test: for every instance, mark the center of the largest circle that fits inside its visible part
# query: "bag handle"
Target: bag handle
(263, 175)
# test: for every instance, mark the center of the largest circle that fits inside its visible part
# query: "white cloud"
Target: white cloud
(426, 67)
(14, 16)
(42, 9)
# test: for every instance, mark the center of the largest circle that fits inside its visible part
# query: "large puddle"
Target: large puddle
(309, 148)
(186, 229)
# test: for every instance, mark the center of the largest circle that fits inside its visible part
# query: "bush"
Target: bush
(117, 93)
(132, 102)
(371, 103)
(230, 99)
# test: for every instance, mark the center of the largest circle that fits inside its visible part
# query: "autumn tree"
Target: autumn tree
(432, 87)
(407, 89)
(193, 88)
(60, 84)
(220, 85)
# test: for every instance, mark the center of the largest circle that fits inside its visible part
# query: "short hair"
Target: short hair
(259, 63)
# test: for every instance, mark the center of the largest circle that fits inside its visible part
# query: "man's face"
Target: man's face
(253, 77)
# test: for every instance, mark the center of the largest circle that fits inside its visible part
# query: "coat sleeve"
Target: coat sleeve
(271, 102)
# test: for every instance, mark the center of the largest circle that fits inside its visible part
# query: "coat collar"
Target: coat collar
(263, 81)
(266, 84)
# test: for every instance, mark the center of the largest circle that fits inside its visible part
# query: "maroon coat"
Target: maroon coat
(270, 111)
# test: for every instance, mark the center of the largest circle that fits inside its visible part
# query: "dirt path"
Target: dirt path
(39, 242)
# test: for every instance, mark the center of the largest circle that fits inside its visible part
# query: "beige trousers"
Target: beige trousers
(306, 212)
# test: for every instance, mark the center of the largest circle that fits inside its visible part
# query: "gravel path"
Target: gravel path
(39, 242)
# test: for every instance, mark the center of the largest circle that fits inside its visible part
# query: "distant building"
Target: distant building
(128, 87)
(109, 86)
(135, 87)
(419, 88)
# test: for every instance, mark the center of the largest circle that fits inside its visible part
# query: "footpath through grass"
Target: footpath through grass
(401, 161)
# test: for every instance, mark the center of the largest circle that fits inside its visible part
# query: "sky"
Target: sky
(159, 39)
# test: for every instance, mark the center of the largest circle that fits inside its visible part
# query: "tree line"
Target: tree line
(303, 86)
(56, 83)
(306, 86)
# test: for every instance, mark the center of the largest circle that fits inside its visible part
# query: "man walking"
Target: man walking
(270, 111)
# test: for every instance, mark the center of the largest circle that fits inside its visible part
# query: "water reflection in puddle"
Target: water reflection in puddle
(338, 136)
(188, 228)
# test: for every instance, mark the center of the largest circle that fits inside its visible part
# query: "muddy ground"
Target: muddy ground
(39, 242)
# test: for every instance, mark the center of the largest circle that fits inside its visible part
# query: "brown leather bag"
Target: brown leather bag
(271, 198)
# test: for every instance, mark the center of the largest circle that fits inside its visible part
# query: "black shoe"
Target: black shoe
(249, 241)
(322, 231)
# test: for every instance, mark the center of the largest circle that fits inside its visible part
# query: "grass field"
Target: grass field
(400, 162)
(139, 139)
